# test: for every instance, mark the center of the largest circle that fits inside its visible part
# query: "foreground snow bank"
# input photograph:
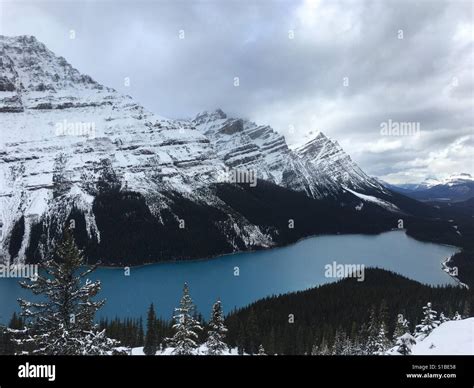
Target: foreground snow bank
(449, 338)
(201, 351)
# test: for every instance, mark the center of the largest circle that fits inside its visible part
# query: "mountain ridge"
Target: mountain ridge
(456, 187)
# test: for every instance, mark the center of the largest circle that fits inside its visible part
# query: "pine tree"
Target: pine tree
(251, 333)
(348, 347)
(16, 322)
(151, 343)
(185, 326)
(402, 338)
(108, 180)
(61, 179)
(324, 349)
(362, 336)
(141, 334)
(443, 318)
(357, 348)
(404, 344)
(383, 312)
(382, 343)
(466, 313)
(62, 323)
(339, 342)
(373, 331)
(401, 327)
(428, 323)
(217, 331)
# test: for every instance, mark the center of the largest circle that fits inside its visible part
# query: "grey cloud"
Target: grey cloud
(282, 81)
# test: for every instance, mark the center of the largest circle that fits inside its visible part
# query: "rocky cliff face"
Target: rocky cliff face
(319, 168)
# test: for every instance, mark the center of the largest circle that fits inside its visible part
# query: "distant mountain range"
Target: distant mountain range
(457, 187)
(142, 188)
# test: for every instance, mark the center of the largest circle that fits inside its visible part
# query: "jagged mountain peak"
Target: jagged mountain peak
(330, 160)
(21, 39)
(320, 167)
(314, 146)
(206, 116)
(27, 65)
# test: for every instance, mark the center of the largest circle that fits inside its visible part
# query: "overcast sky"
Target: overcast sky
(340, 67)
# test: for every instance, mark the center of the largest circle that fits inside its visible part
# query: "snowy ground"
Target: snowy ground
(450, 338)
(201, 351)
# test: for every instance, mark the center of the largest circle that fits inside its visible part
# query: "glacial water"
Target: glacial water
(260, 274)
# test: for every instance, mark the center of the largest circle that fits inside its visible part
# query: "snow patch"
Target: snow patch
(380, 202)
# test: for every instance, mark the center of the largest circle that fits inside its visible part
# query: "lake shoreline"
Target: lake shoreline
(443, 267)
(274, 247)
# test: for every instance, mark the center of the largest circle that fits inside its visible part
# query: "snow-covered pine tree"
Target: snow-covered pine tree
(362, 336)
(457, 316)
(373, 328)
(443, 318)
(185, 326)
(61, 179)
(401, 327)
(322, 349)
(108, 180)
(428, 323)
(61, 322)
(151, 340)
(339, 342)
(357, 347)
(404, 343)
(261, 351)
(382, 343)
(347, 348)
(217, 331)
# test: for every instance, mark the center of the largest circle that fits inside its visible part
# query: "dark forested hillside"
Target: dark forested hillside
(130, 234)
(293, 323)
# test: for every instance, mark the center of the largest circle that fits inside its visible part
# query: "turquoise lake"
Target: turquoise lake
(260, 274)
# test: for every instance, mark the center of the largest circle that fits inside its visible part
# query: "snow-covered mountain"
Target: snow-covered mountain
(141, 187)
(456, 187)
(320, 168)
(50, 110)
